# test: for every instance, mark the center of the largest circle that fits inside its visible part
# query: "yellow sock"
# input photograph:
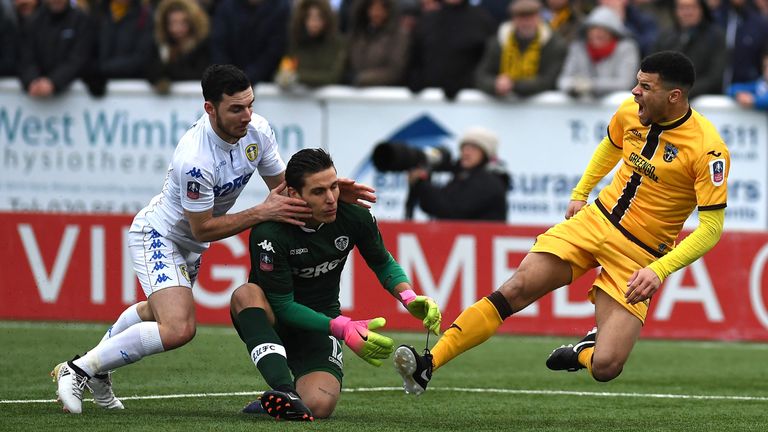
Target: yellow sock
(585, 358)
(474, 326)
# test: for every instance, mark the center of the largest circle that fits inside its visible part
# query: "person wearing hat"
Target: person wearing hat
(604, 60)
(524, 57)
(478, 189)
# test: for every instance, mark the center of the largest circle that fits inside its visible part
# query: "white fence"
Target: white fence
(77, 154)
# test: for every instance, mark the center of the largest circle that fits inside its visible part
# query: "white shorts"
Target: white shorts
(159, 262)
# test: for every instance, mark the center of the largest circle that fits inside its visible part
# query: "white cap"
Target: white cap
(483, 138)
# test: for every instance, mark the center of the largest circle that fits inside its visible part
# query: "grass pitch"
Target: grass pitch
(501, 385)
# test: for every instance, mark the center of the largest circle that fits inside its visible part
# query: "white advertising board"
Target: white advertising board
(77, 154)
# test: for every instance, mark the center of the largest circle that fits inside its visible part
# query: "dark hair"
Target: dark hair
(304, 162)
(299, 34)
(219, 80)
(673, 67)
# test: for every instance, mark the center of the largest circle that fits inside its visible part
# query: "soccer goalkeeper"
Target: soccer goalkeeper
(288, 314)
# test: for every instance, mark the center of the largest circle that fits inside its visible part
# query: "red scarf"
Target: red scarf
(599, 54)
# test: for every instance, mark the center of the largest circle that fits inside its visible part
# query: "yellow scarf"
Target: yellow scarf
(517, 65)
(119, 10)
(561, 17)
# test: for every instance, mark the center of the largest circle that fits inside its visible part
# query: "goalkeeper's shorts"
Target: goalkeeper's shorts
(311, 351)
(588, 240)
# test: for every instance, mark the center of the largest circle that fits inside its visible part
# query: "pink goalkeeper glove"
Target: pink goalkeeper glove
(369, 346)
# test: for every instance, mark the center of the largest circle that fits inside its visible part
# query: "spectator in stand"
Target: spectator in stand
(497, 9)
(605, 60)
(252, 35)
(9, 38)
(641, 25)
(746, 38)
(564, 18)
(56, 46)
(662, 11)
(478, 188)
(525, 57)
(125, 43)
(378, 46)
(701, 40)
(753, 94)
(181, 36)
(447, 47)
(317, 54)
(25, 9)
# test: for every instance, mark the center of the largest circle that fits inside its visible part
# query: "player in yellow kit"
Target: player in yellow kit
(672, 161)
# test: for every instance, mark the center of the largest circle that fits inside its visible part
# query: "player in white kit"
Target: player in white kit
(212, 163)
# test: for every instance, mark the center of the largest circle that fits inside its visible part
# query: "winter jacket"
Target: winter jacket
(475, 194)
(58, 46)
(553, 50)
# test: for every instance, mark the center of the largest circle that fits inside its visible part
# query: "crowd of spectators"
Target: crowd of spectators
(507, 48)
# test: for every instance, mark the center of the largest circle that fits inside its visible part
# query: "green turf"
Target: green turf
(523, 400)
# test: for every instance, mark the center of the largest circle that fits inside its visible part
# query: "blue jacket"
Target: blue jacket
(758, 88)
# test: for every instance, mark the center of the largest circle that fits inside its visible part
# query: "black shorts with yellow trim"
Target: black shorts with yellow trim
(588, 240)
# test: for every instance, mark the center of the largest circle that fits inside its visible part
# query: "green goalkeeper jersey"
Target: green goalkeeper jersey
(299, 268)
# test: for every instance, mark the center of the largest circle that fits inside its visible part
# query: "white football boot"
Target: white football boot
(70, 387)
(103, 396)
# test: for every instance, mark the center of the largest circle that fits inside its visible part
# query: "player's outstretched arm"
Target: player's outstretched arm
(423, 308)
(369, 346)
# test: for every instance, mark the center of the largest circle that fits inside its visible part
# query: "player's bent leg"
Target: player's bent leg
(538, 274)
(619, 331)
(320, 392)
(250, 295)
(174, 311)
(567, 357)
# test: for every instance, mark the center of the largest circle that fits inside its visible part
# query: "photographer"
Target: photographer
(478, 189)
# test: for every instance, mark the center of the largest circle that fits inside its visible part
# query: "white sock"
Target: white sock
(130, 346)
(126, 319)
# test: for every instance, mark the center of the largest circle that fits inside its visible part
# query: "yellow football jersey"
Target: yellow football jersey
(666, 171)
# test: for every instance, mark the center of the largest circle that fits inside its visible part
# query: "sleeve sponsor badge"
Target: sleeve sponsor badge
(717, 171)
(265, 262)
(193, 190)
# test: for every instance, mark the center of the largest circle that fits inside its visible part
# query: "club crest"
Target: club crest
(670, 152)
(252, 152)
(341, 243)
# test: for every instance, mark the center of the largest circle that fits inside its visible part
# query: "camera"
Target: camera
(398, 156)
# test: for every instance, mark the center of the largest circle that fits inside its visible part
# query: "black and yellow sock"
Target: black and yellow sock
(264, 346)
(473, 326)
(585, 358)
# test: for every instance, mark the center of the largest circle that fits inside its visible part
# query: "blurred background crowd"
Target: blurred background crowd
(506, 48)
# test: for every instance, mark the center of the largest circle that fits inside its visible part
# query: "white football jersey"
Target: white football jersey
(206, 173)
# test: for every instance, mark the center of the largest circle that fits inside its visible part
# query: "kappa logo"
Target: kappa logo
(162, 278)
(195, 173)
(341, 243)
(159, 266)
(156, 255)
(252, 152)
(670, 152)
(267, 246)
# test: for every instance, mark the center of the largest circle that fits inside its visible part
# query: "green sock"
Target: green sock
(266, 348)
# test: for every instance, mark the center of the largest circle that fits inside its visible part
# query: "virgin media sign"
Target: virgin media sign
(77, 268)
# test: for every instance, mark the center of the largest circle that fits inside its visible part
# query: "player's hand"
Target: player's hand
(423, 308)
(369, 346)
(574, 206)
(282, 208)
(356, 193)
(641, 286)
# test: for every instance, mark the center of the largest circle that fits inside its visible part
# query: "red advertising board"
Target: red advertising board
(77, 268)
